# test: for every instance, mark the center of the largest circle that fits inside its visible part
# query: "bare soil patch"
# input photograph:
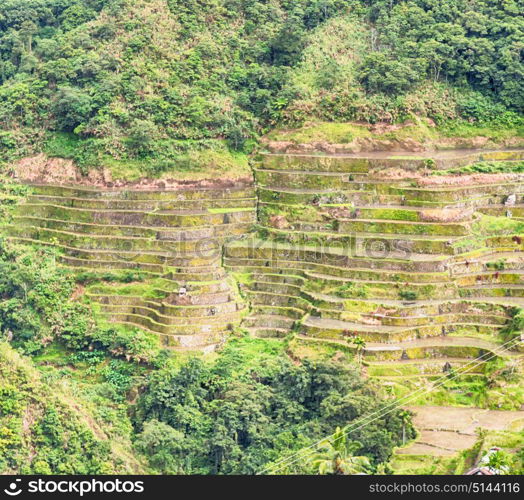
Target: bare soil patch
(446, 430)
(41, 169)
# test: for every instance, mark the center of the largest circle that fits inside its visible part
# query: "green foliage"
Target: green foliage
(40, 430)
(515, 327)
(35, 309)
(336, 456)
(351, 290)
(237, 415)
(407, 295)
(88, 73)
(33, 297)
(164, 446)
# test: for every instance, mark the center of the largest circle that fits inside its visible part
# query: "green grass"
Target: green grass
(460, 128)
(487, 167)
(339, 133)
(420, 131)
(61, 144)
(215, 163)
(488, 225)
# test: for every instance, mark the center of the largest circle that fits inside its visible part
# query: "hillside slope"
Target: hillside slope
(45, 429)
(151, 86)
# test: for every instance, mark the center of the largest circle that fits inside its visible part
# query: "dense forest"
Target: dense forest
(108, 399)
(103, 80)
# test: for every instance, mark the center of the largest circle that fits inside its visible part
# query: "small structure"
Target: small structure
(483, 468)
(511, 200)
(480, 471)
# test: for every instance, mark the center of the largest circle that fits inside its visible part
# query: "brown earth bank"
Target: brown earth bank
(445, 430)
(41, 169)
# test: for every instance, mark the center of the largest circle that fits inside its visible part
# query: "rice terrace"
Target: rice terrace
(261, 237)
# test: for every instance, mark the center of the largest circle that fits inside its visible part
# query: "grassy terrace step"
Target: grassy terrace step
(273, 251)
(378, 228)
(217, 322)
(289, 279)
(486, 259)
(387, 196)
(205, 306)
(413, 367)
(311, 180)
(117, 243)
(341, 275)
(170, 260)
(362, 225)
(143, 205)
(108, 261)
(275, 265)
(119, 314)
(288, 312)
(362, 162)
(261, 332)
(192, 233)
(136, 218)
(421, 349)
(216, 300)
(493, 291)
(451, 194)
(412, 321)
(443, 350)
(203, 342)
(336, 329)
(152, 270)
(268, 321)
(464, 203)
(409, 308)
(277, 299)
(308, 180)
(391, 212)
(271, 287)
(318, 196)
(207, 341)
(160, 288)
(366, 244)
(142, 194)
(393, 290)
(319, 163)
(490, 304)
(493, 277)
(517, 211)
(394, 213)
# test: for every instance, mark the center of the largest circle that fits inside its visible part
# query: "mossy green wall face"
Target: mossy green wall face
(318, 217)
(167, 239)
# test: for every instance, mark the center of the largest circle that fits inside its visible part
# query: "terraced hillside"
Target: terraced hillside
(404, 252)
(420, 256)
(170, 240)
(413, 262)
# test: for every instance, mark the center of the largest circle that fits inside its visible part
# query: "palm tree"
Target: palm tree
(499, 462)
(360, 344)
(405, 417)
(335, 456)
